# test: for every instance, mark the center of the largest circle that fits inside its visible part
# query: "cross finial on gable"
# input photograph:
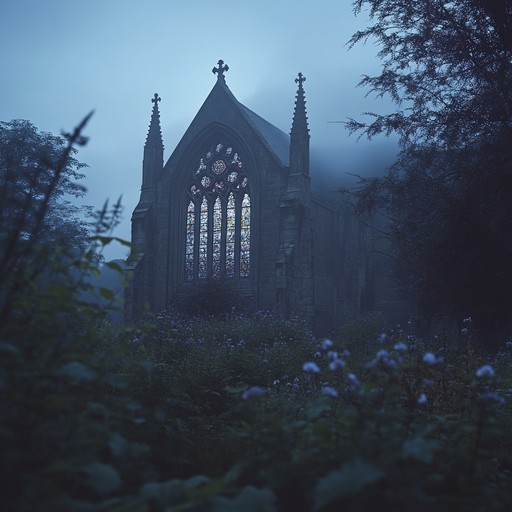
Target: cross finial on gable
(300, 80)
(220, 70)
(156, 98)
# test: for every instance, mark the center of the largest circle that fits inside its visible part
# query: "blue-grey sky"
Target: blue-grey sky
(62, 58)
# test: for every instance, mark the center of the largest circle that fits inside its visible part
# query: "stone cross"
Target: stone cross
(156, 98)
(300, 80)
(221, 69)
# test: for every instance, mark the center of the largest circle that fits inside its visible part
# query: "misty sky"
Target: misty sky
(62, 58)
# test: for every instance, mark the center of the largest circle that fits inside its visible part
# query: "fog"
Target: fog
(61, 59)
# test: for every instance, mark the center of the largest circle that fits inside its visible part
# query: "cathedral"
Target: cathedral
(234, 205)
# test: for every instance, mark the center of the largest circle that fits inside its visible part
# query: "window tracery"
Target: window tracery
(218, 217)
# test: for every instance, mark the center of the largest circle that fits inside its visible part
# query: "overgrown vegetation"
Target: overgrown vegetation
(447, 66)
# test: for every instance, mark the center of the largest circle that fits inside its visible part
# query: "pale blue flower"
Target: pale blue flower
(253, 391)
(485, 371)
(490, 396)
(329, 391)
(431, 359)
(400, 346)
(327, 343)
(422, 399)
(336, 364)
(310, 367)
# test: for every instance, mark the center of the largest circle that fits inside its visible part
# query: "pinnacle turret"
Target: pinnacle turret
(300, 119)
(154, 138)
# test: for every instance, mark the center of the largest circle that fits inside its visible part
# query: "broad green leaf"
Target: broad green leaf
(350, 479)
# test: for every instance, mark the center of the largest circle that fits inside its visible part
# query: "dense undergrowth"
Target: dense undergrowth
(249, 413)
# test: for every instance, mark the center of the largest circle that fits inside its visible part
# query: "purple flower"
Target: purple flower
(310, 367)
(400, 347)
(422, 399)
(354, 384)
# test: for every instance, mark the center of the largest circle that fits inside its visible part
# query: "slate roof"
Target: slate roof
(275, 139)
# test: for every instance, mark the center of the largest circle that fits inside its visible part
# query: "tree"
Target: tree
(38, 172)
(448, 67)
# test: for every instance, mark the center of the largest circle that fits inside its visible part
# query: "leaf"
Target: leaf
(104, 478)
(350, 479)
(419, 448)
(107, 293)
(77, 372)
(250, 499)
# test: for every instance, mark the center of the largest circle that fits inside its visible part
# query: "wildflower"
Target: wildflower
(336, 364)
(431, 359)
(332, 355)
(327, 343)
(310, 367)
(354, 384)
(382, 337)
(276, 382)
(400, 347)
(329, 391)
(485, 371)
(490, 396)
(464, 331)
(318, 354)
(382, 354)
(467, 320)
(253, 391)
(345, 353)
(422, 399)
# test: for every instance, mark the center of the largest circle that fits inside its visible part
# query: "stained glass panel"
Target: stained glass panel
(217, 232)
(203, 241)
(230, 236)
(245, 236)
(189, 243)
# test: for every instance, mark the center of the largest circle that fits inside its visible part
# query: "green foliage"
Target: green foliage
(240, 412)
(448, 68)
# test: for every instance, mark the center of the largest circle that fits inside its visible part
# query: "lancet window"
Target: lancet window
(218, 217)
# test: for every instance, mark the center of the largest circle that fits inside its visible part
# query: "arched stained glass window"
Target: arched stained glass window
(230, 236)
(245, 236)
(218, 217)
(217, 237)
(189, 243)
(202, 269)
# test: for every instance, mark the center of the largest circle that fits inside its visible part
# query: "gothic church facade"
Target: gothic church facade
(233, 204)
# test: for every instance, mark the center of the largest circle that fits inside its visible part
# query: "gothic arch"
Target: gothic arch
(214, 205)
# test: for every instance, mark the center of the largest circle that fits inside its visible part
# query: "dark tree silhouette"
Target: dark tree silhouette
(38, 224)
(448, 68)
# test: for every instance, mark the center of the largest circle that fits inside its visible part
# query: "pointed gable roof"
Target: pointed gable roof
(222, 106)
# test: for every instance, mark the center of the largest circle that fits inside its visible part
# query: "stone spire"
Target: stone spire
(154, 138)
(152, 163)
(300, 119)
(299, 135)
(220, 70)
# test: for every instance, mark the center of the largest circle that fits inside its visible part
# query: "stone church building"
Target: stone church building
(233, 204)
